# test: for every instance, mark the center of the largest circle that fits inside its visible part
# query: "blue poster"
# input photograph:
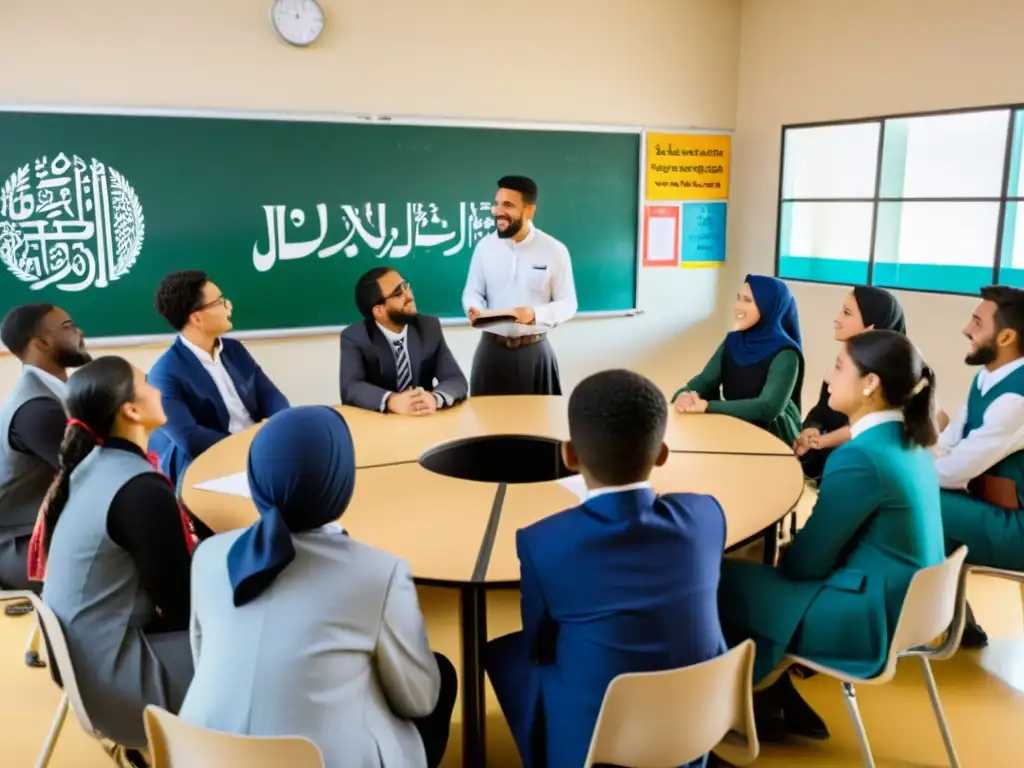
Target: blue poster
(702, 239)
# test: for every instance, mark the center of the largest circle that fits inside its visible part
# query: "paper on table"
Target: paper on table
(577, 485)
(233, 485)
(661, 239)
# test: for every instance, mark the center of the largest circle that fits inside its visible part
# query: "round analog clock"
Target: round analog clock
(298, 22)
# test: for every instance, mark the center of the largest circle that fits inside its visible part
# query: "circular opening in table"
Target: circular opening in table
(498, 459)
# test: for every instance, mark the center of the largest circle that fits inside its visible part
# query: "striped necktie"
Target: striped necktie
(404, 375)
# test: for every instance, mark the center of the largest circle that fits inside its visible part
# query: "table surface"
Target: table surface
(458, 531)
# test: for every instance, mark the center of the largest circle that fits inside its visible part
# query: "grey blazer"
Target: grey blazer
(367, 370)
(334, 650)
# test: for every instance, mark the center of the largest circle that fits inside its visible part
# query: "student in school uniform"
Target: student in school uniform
(300, 629)
(865, 308)
(625, 582)
(838, 590)
(757, 373)
(118, 551)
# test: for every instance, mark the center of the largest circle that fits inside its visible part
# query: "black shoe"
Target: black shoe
(32, 660)
(799, 717)
(19, 609)
(973, 636)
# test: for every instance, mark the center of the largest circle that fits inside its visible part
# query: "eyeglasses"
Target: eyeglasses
(402, 288)
(219, 301)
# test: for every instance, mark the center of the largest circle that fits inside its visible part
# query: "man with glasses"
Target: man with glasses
(391, 361)
(32, 424)
(211, 386)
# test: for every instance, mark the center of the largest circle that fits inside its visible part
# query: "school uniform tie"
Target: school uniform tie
(402, 365)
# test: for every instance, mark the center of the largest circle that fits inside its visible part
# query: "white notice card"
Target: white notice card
(232, 485)
(661, 239)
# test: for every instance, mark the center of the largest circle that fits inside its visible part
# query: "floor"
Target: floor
(982, 692)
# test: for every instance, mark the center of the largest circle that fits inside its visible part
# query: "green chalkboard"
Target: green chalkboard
(285, 214)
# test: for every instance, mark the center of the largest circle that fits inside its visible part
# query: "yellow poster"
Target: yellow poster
(687, 166)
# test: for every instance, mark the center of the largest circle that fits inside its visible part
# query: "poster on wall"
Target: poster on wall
(661, 235)
(703, 234)
(687, 166)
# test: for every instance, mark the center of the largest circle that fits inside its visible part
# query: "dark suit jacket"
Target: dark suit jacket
(196, 414)
(627, 582)
(367, 370)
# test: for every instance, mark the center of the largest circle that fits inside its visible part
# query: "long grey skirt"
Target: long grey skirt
(529, 370)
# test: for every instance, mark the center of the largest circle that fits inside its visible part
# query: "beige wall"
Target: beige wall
(596, 61)
(808, 60)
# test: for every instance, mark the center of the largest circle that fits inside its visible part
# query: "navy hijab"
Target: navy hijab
(778, 328)
(302, 472)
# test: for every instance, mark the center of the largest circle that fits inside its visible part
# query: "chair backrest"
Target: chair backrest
(673, 717)
(60, 656)
(930, 607)
(173, 743)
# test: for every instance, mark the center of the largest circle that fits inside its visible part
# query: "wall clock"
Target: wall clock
(297, 22)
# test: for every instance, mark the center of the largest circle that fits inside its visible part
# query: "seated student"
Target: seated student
(980, 454)
(839, 588)
(625, 582)
(865, 308)
(299, 629)
(756, 374)
(32, 423)
(118, 554)
(211, 386)
(389, 362)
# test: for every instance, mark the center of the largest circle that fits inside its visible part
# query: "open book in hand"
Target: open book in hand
(494, 317)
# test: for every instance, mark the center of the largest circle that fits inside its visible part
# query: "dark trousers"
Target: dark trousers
(434, 727)
(14, 565)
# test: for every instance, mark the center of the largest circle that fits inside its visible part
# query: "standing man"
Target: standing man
(391, 361)
(210, 385)
(526, 271)
(32, 425)
(980, 454)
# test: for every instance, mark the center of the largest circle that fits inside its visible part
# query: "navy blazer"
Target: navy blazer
(196, 414)
(627, 582)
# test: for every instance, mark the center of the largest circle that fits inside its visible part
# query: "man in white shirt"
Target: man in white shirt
(211, 386)
(527, 272)
(980, 454)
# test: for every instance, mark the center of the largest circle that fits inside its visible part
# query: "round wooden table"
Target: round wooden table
(461, 533)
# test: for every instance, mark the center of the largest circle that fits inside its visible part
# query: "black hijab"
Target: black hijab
(880, 309)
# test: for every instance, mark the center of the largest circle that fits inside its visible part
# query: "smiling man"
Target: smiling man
(980, 454)
(528, 272)
(211, 386)
(397, 360)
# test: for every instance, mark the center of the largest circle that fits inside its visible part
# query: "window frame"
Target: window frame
(1015, 116)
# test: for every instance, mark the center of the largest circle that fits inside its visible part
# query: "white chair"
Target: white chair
(651, 719)
(173, 743)
(935, 607)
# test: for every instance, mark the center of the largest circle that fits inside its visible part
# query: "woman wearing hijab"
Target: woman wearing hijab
(865, 308)
(298, 629)
(757, 372)
(118, 551)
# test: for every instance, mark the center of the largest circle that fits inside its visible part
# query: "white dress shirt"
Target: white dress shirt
(535, 272)
(592, 492)
(403, 336)
(873, 420)
(961, 459)
(238, 415)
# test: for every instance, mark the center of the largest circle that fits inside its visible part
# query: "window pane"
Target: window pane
(827, 242)
(1011, 262)
(1016, 185)
(936, 246)
(945, 155)
(830, 161)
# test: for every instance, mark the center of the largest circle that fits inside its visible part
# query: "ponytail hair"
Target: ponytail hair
(96, 392)
(906, 382)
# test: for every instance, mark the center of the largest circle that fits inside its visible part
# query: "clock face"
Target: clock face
(298, 22)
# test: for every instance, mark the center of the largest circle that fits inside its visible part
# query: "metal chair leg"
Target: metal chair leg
(51, 739)
(32, 650)
(850, 699)
(940, 716)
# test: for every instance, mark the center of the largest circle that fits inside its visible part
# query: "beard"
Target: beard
(72, 357)
(401, 316)
(983, 355)
(513, 228)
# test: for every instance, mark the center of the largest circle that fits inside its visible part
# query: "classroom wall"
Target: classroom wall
(665, 63)
(807, 60)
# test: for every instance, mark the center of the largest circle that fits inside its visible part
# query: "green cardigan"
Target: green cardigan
(839, 588)
(774, 406)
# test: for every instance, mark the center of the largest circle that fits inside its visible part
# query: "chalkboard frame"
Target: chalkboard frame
(352, 118)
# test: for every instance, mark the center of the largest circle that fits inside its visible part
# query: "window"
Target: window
(920, 202)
